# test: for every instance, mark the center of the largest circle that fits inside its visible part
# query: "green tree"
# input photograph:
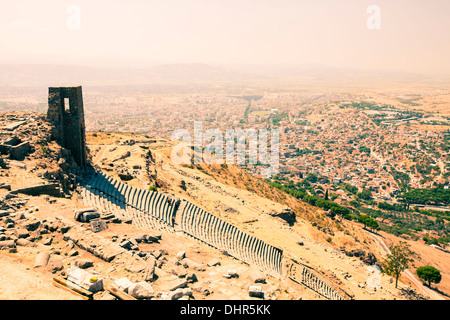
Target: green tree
(311, 177)
(365, 194)
(350, 188)
(369, 222)
(398, 260)
(429, 274)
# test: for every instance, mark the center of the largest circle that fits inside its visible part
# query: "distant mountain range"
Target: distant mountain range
(60, 75)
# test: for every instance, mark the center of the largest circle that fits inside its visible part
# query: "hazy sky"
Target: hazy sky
(414, 34)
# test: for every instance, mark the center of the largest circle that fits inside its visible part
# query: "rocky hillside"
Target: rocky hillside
(40, 195)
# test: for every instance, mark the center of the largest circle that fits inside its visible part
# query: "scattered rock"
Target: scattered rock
(150, 269)
(156, 254)
(366, 257)
(231, 274)
(72, 253)
(55, 264)
(126, 244)
(257, 277)
(191, 277)
(98, 225)
(64, 229)
(225, 253)
(173, 284)
(49, 226)
(369, 259)
(31, 225)
(201, 288)
(123, 284)
(84, 263)
(21, 233)
(140, 238)
(256, 292)
(179, 271)
(188, 263)
(141, 290)
(20, 151)
(136, 266)
(179, 293)
(35, 235)
(7, 244)
(41, 259)
(286, 214)
(4, 213)
(126, 176)
(3, 165)
(181, 255)
(155, 237)
(85, 215)
(213, 263)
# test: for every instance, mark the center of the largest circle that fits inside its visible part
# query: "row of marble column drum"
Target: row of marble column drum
(309, 278)
(105, 203)
(151, 209)
(313, 282)
(222, 235)
(154, 204)
(215, 232)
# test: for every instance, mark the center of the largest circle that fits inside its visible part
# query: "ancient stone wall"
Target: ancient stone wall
(312, 279)
(206, 227)
(68, 120)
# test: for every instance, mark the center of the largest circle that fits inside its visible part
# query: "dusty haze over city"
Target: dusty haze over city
(411, 35)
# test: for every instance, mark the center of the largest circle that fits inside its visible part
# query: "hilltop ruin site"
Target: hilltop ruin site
(80, 220)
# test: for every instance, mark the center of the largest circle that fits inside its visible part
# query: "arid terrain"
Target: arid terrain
(44, 224)
(225, 151)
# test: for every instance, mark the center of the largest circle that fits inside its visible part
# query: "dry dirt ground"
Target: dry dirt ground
(250, 213)
(20, 282)
(241, 208)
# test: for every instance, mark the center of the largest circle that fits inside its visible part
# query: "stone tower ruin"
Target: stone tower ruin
(65, 111)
